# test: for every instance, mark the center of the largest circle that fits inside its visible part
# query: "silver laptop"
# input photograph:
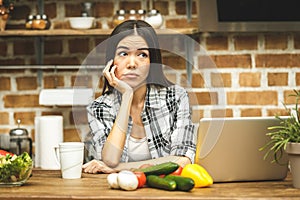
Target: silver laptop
(228, 148)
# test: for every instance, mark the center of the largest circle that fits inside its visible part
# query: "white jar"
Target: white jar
(132, 15)
(154, 18)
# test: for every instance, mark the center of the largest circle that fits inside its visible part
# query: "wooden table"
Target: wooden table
(45, 184)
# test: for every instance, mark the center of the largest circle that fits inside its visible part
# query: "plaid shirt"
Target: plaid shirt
(166, 117)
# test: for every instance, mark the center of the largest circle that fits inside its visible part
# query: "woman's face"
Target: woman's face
(132, 60)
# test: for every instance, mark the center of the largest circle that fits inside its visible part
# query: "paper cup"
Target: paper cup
(71, 159)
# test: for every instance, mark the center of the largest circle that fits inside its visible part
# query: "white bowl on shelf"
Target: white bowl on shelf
(81, 22)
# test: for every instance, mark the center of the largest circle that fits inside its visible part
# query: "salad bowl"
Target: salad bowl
(15, 170)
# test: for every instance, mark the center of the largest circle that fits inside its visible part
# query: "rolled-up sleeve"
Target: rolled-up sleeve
(100, 121)
(183, 136)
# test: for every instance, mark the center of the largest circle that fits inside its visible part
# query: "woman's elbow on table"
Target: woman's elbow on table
(110, 162)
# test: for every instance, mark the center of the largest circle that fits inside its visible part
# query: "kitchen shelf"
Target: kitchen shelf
(95, 32)
(41, 34)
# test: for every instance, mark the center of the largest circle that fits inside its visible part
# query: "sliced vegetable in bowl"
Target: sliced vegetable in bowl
(3, 153)
(15, 170)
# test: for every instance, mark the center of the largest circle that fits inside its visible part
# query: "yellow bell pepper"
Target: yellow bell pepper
(196, 172)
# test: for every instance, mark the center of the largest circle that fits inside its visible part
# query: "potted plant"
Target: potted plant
(6, 6)
(286, 137)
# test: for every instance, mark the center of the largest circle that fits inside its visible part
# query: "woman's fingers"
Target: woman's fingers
(114, 79)
(90, 167)
(96, 166)
(110, 75)
(106, 71)
(109, 63)
(112, 72)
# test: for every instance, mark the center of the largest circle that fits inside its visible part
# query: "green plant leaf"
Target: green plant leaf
(287, 131)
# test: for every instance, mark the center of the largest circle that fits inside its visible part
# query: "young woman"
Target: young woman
(141, 117)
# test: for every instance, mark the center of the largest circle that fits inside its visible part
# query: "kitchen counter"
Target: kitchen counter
(48, 184)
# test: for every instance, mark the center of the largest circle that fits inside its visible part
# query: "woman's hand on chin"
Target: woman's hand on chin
(109, 73)
(97, 166)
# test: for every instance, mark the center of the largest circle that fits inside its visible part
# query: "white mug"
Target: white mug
(70, 156)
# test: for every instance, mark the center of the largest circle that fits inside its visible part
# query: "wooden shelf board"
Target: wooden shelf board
(73, 32)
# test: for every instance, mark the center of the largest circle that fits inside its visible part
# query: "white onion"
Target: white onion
(127, 180)
(112, 180)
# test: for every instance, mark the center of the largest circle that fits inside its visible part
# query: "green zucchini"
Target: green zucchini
(182, 183)
(160, 183)
(160, 169)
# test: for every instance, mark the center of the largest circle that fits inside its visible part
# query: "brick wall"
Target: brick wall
(254, 72)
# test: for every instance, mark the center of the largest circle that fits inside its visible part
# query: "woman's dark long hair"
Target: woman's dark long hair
(143, 29)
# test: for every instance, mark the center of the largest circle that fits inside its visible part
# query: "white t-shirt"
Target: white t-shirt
(138, 149)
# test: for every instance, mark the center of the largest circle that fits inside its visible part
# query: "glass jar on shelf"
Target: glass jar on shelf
(141, 14)
(154, 18)
(119, 17)
(47, 21)
(29, 21)
(132, 15)
(38, 23)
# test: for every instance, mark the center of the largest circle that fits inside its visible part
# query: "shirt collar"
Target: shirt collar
(152, 97)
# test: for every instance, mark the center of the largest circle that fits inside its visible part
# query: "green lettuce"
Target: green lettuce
(15, 168)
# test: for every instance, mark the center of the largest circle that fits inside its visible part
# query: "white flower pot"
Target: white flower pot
(293, 150)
